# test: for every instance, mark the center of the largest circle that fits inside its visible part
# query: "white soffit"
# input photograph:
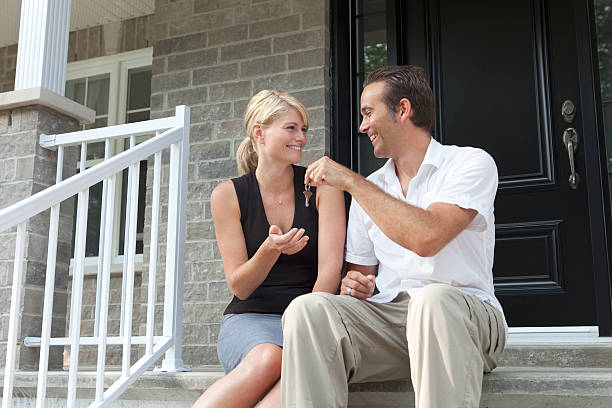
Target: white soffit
(83, 14)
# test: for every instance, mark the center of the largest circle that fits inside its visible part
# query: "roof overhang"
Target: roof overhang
(83, 14)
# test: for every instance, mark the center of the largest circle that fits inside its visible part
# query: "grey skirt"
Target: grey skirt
(240, 332)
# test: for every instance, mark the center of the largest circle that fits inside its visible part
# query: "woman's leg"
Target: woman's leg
(272, 398)
(248, 382)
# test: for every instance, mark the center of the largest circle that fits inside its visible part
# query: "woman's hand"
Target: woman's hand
(290, 243)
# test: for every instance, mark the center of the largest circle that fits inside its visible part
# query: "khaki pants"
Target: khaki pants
(442, 338)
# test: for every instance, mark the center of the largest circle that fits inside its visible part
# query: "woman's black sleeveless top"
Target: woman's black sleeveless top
(291, 275)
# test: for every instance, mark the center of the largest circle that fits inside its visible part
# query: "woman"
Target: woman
(278, 239)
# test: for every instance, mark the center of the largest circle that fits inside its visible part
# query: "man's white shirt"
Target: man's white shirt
(464, 176)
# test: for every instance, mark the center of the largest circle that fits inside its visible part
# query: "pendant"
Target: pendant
(307, 193)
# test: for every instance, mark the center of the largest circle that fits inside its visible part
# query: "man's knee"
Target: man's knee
(309, 307)
(436, 296)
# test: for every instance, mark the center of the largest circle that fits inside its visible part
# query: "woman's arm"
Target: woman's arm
(332, 231)
(244, 275)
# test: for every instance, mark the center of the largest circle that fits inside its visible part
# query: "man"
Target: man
(425, 221)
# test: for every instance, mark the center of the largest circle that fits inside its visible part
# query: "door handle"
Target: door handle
(570, 140)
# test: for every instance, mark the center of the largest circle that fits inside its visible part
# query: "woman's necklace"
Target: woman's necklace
(280, 199)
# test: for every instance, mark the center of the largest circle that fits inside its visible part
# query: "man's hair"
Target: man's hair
(410, 82)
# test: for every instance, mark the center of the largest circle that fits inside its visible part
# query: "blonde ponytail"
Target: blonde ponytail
(246, 156)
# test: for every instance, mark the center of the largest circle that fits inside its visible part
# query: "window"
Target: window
(371, 27)
(118, 88)
(603, 20)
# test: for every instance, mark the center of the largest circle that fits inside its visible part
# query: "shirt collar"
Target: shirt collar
(433, 157)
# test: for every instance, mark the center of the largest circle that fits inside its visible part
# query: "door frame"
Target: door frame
(344, 98)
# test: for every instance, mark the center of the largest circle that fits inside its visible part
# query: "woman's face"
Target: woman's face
(285, 138)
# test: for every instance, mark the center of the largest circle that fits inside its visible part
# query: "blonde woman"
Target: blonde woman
(278, 239)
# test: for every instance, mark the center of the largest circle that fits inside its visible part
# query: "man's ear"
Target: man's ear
(405, 109)
(257, 132)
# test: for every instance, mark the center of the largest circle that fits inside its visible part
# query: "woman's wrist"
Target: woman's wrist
(269, 248)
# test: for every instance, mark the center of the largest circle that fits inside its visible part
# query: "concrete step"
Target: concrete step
(507, 387)
(557, 355)
(503, 388)
(529, 376)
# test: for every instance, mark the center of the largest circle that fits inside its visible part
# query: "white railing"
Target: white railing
(172, 132)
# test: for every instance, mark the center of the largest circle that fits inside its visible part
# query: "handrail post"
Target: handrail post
(175, 255)
(14, 323)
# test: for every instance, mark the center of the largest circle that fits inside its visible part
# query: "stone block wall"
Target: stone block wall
(213, 55)
(25, 169)
(8, 62)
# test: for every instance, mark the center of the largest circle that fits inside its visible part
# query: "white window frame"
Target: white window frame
(118, 66)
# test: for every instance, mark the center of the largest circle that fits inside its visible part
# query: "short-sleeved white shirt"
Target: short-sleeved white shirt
(464, 176)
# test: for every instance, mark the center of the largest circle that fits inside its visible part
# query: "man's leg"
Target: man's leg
(452, 338)
(332, 340)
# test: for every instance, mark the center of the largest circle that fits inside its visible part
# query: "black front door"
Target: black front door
(503, 72)
(505, 77)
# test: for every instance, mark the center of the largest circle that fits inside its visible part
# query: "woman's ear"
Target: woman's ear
(257, 132)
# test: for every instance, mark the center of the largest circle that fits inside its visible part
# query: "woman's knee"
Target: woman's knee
(264, 360)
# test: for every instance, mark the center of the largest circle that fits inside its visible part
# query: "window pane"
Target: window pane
(98, 123)
(97, 94)
(142, 195)
(139, 81)
(75, 90)
(603, 21)
(95, 151)
(138, 116)
(93, 221)
(371, 24)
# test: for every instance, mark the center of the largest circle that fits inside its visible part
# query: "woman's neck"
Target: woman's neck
(274, 178)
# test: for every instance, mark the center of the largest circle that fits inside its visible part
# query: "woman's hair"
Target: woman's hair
(264, 108)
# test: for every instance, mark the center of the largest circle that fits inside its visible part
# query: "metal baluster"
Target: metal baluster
(103, 216)
(153, 254)
(77, 285)
(105, 290)
(131, 255)
(11, 346)
(45, 335)
(125, 240)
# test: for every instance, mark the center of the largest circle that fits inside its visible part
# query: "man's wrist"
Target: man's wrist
(351, 182)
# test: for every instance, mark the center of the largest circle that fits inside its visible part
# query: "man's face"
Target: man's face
(377, 122)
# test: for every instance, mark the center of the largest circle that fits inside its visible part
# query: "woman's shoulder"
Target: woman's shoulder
(223, 192)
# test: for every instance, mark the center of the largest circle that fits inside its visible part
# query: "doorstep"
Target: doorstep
(529, 376)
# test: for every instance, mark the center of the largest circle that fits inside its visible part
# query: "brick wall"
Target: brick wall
(213, 55)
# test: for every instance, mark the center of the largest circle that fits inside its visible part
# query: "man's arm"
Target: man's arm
(424, 232)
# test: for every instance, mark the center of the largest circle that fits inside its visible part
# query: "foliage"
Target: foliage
(374, 57)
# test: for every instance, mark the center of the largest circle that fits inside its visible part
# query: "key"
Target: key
(307, 194)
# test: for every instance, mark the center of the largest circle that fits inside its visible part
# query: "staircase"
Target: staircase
(528, 376)
(531, 374)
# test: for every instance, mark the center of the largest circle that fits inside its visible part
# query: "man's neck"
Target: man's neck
(409, 159)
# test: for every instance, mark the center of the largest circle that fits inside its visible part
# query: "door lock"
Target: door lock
(568, 111)
(570, 141)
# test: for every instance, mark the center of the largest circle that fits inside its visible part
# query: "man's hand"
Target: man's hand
(326, 171)
(361, 286)
(290, 243)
